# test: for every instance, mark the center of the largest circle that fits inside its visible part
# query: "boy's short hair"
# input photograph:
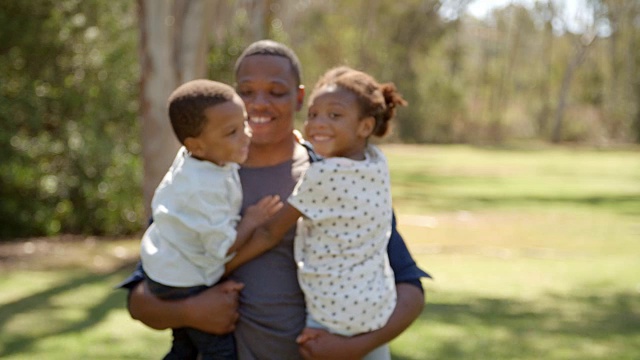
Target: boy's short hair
(270, 47)
(189, 101)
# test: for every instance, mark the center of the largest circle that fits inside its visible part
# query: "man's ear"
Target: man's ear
(300, 97)
(365, 126)
(193, 146)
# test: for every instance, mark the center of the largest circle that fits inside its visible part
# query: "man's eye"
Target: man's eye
(333, 115)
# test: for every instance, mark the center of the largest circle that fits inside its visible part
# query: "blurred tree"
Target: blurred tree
(582, 46)
(67, 103)
(69, 72)
(622, 19)
(173, 48)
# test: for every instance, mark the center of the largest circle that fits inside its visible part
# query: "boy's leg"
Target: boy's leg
(213, 347)
(182, 347)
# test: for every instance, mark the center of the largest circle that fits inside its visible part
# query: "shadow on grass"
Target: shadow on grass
(114, 300)
(507, 329)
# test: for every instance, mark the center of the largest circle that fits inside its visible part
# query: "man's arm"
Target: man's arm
(408, 307)
(214, 310)
(330, 346)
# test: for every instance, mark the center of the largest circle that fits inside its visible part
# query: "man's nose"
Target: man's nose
(260, 99)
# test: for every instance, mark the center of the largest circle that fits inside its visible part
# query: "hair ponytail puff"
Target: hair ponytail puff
(392, 99)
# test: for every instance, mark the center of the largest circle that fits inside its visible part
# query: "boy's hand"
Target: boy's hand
(263, 210)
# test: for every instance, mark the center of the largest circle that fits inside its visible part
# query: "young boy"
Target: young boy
(197, 227)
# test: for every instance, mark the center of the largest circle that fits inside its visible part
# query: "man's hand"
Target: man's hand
(316, 344)
(215, 310)
(321, 344)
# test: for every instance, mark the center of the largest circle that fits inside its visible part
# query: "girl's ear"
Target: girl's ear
(365, 126)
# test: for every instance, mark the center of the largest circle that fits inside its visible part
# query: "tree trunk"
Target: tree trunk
(260, 18)
(173, 48)
(579, 57)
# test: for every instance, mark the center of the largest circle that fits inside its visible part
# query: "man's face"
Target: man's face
(267, 86)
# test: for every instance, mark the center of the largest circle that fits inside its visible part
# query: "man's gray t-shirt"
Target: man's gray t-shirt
(272, 310)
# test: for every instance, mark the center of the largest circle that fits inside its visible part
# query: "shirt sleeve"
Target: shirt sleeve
(199, 220)
(213, 220)
(133, 279)
(308, 196)
(404, 267)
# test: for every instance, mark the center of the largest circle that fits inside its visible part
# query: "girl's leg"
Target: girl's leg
(381, 353)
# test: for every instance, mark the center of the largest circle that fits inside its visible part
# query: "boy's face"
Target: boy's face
(225, 137)
(268, 87)
(334, 125)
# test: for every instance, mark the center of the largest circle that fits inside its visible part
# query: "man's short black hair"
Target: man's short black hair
(270, 47)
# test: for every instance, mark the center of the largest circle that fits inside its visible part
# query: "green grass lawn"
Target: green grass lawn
(535, 255)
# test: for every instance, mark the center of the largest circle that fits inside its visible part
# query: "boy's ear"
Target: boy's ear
(365, 127)
(299, 97)
(193, 146)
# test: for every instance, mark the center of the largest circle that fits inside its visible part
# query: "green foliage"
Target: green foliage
(69, 74)
(68, 77)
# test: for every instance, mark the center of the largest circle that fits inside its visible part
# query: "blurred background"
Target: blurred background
(515, 169)
(494, 73)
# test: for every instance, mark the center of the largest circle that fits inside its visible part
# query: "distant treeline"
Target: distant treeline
(69, 75)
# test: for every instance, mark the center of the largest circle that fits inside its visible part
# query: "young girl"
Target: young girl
(345, 204)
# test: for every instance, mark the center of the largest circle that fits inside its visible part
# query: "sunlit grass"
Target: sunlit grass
(427, 179)
(77, 315)
(534, 255)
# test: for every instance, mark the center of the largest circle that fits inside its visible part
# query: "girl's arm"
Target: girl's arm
(265, 237)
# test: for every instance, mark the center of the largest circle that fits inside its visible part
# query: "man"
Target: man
(271, 312)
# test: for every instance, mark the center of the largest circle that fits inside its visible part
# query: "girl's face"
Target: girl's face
(334, 125)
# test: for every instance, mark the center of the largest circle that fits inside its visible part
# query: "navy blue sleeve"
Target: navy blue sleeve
(136, 276)
(404, 267)
(133, 279)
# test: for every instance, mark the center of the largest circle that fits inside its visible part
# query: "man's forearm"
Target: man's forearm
(153, 312)
(408, 308)
(214, 310)
(328, 346)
